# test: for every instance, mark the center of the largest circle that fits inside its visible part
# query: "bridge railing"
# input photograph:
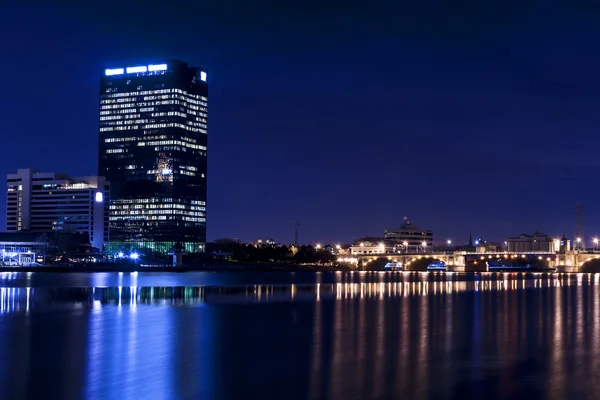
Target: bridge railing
(508, 253)
(463, 253)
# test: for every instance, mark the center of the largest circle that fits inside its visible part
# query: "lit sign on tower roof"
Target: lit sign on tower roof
(158, 67)
(138, 69)
(114, 71)
(133, 70)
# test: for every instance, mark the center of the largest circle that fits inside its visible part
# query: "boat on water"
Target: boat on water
(519, 268)
(394, 266)
(436, 267)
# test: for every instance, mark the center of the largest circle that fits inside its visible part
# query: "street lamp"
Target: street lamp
(318, 246)
(405, 244)
(448, 242)
(595, 240)
(424, 244)
(578, 240)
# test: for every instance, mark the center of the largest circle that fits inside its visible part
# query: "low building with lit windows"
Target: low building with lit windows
(409, 239)
(368, 248)
(22, 248)
(538, 242)
(51, 201)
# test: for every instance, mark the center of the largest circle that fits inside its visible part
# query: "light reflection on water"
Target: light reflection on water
(496, 335)
(22, 299)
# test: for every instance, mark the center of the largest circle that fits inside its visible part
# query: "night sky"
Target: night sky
(344, 115)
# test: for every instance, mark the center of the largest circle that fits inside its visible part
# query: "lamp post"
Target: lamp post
(595, 241)
(578, 241)
(449, 243)
(424, 244)
(405, 244)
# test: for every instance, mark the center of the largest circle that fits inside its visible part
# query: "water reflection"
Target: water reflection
(15, 299)
(414, 336)
(22, 299)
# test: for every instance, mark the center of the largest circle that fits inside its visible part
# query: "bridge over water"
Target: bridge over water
(460, 261)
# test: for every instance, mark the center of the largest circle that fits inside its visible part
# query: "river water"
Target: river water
(299, 335)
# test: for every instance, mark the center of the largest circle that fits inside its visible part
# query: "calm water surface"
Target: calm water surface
(297, 336)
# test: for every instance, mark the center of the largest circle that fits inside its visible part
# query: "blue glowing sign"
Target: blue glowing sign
(203, 76)
(99, 197)
(158, 67)
(133, 70)
(114, 71)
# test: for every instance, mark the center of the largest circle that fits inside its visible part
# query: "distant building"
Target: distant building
(536, 242)
(50, 201)
(408, 238)
(342, 250)
(368, 248)
(267, 242)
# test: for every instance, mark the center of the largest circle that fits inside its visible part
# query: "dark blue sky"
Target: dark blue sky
(344, 115)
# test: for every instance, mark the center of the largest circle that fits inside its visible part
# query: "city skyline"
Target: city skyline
(485, 126)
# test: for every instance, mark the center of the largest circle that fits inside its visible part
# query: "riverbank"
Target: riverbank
(208, 267)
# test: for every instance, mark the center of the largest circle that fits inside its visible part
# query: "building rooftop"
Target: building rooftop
(407, 225)
(526, 235)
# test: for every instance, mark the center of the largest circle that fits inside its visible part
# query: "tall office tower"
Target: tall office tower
(153, 136)
(50, 201)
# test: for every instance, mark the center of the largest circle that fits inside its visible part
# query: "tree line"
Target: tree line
(269, 253)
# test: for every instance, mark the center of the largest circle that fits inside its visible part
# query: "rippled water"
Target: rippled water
(302, 335)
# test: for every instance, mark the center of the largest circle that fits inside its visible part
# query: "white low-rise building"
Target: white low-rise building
(49, 201)
(367, 248)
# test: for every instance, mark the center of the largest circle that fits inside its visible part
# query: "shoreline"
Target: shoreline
(216, 267)
(219, 267)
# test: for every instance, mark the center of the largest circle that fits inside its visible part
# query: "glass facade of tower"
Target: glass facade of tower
(153, 138)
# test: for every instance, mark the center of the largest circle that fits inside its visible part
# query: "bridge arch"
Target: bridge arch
(377, 262)
(590, 263)
(420, 263)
